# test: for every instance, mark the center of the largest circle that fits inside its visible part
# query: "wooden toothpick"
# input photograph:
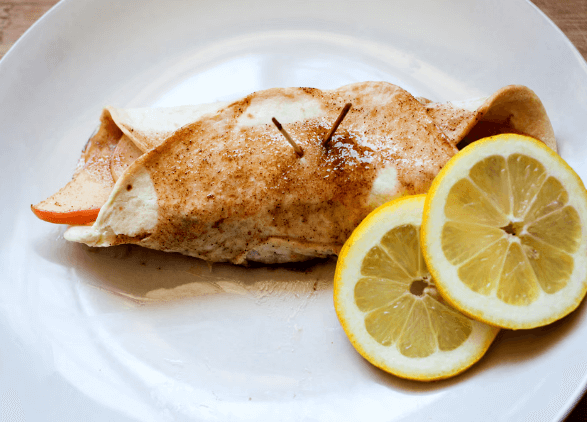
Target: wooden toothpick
(298, 149)
(342, 115)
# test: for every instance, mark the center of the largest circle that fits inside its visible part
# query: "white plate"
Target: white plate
(130, 334)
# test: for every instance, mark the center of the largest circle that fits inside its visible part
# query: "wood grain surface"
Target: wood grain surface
(569, 15)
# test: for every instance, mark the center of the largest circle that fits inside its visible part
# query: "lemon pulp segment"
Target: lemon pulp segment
(402, 308)
(509, 229)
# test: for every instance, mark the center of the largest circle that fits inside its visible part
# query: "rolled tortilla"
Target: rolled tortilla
(149, 127)
(512, 109)
(228, 187)
(125, 134)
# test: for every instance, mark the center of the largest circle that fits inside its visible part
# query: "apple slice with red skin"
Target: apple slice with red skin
(79, 202)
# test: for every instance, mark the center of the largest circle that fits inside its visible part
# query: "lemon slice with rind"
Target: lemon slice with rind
(504, 233)
(388, 306)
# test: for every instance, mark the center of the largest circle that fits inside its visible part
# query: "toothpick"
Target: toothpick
(298, 149)
(338, 121)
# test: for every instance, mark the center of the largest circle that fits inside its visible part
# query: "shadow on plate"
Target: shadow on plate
(510, 348)
(147, 276)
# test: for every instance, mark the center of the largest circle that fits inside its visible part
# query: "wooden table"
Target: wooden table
(570, 15)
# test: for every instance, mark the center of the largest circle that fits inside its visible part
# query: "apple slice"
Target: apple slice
(79, 201)
(76, 203)
(124, 155)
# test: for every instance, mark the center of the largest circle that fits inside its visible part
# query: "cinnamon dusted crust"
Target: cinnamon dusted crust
(229, 187)
(226, 189)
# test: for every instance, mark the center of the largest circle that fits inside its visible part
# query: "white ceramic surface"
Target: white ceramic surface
(129, 334)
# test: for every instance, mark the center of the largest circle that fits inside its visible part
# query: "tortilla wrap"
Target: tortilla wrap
(228, 187)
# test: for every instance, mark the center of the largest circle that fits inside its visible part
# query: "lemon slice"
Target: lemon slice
(504, 233)
(388, 306)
